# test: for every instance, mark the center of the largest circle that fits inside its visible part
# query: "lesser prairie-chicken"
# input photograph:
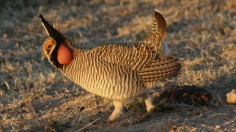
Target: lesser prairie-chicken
(119, 72)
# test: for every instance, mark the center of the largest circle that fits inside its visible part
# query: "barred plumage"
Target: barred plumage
(157, 35)
(119, 72)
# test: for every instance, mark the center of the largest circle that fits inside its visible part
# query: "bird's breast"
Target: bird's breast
(104, 79)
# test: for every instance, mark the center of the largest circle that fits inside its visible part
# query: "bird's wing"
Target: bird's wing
(160, 69)
(135, 57)
(141, 59)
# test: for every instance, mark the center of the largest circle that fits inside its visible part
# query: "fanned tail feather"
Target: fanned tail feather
(157, 35)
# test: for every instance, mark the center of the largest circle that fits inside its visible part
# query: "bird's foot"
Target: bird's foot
(117, 112)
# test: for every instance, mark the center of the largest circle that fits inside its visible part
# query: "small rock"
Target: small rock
(231, 97)
(217, 126)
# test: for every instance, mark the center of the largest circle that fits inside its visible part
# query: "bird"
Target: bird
(120, 72)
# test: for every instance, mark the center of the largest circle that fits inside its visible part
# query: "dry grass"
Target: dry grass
(35, 97)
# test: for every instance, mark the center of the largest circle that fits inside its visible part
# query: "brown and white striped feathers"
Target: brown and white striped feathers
(115, 71)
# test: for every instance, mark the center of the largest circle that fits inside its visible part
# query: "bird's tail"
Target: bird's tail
(156, 37)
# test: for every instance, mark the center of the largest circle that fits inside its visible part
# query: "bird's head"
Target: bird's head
(55, 47)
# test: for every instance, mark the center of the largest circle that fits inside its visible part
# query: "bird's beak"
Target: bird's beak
(52, 32)
(43, 56)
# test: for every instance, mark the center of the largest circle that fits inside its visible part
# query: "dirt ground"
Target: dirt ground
(36, 97)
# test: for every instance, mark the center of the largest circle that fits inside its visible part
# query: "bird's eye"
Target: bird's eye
(49, 46)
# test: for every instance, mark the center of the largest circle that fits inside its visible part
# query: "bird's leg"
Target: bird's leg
(118, 110)
(149, 104)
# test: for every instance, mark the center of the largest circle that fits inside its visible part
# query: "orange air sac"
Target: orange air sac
(64, 55)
